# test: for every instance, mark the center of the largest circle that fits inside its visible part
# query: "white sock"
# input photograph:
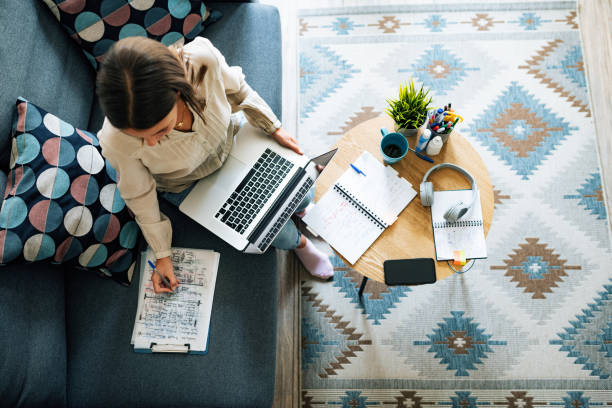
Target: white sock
(315, 261)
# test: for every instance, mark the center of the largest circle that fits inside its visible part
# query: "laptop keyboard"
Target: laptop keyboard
(280, 222)
(254, 191)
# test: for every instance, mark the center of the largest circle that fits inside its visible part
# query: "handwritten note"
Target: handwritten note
(183, 317)
(382, 189)
(344, 226)
(357, 209)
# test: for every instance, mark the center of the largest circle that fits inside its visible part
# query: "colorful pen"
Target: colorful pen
(357, 170)
(163, 278)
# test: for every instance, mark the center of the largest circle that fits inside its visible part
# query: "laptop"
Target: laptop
(251, 197)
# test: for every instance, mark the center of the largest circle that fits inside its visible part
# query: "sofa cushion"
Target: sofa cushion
(96, 25)
(259, 56)
(2, 185)
(61, 200)
(238, 371)
(40, 62)
(32, 336)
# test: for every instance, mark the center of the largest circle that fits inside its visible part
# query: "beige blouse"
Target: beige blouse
(183, 157)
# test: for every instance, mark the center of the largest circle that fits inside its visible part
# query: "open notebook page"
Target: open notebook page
(466, 234)
(344, 223)
(345, 227)
(381, 189)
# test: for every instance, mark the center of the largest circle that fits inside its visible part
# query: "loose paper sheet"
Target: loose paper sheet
(182, 317)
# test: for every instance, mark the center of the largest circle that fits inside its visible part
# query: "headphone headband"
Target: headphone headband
(460, 170)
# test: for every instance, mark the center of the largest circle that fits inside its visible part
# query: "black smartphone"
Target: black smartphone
(415, 271)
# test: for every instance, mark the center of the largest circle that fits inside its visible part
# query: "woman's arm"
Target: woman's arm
(137, 188)
(256, 110)
(259, 114)
(285, 139)
(239, 94)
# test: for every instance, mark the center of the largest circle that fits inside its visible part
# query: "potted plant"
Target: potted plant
(409, 111)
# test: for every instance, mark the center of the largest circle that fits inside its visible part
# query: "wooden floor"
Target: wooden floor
(595, 18)
(288, 374)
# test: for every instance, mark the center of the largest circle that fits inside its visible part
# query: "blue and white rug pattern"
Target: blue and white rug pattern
(532, 324)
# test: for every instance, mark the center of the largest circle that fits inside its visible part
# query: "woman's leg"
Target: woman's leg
(308, 198)
(289, 237)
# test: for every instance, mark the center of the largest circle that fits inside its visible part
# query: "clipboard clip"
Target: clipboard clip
(170, 348)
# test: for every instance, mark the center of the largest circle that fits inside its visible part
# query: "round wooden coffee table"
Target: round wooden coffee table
(411, 235)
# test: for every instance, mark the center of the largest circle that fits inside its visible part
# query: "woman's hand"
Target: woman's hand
(285, 139)
(164, 266)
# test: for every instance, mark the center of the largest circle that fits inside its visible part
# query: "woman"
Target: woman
(169, 123)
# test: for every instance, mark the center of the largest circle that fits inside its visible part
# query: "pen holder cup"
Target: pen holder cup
(393, 146)
(443, 135)
(435, 121)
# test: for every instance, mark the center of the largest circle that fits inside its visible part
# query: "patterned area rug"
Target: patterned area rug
(532, 324)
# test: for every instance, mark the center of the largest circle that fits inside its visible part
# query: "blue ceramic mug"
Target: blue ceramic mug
(393, 146)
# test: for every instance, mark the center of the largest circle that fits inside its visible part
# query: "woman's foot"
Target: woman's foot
(315, 261)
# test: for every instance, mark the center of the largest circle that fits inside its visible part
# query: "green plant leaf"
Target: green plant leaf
(410, 109)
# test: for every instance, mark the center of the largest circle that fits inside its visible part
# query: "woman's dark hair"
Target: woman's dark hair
(138, 82)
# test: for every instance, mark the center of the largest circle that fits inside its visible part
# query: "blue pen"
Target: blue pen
(160, 275)
(421, 156)
(357, 170)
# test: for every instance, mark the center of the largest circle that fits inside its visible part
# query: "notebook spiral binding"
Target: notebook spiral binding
(361, 207)
(468, 223)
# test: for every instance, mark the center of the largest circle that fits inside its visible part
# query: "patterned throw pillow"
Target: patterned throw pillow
(61, 202)
(97, 24)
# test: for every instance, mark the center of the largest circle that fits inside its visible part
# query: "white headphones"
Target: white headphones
(458, 209)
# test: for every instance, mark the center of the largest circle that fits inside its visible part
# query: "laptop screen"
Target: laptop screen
(324, 158)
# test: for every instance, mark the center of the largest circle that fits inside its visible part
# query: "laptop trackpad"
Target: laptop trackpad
(228, 176)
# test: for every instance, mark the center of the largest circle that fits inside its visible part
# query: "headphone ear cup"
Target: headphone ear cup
(426, 190)
(456, 211)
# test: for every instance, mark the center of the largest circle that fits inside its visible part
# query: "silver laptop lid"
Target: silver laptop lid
(324, 158)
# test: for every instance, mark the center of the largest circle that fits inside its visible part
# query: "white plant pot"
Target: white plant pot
(412, 132)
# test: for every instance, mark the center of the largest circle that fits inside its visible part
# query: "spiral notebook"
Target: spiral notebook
(358, 208)
(467, 234)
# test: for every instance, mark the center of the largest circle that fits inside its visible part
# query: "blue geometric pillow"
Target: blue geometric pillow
(61, 202)
(97, 24)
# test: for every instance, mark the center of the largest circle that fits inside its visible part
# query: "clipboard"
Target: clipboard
(178, 322)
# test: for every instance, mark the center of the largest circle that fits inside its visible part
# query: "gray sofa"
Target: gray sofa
(65, 334)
